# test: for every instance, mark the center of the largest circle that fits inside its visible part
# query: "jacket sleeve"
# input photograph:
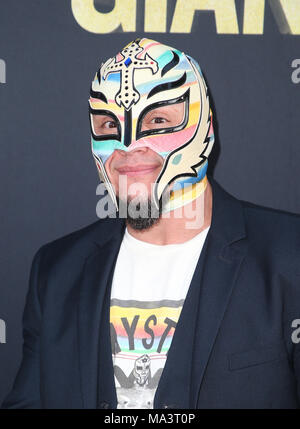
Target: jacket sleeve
(25, 392)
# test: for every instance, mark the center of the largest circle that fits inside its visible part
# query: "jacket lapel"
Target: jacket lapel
(205, 304)
(93, 320)
(219, 279)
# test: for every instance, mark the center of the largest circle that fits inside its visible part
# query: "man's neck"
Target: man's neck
(181, 224)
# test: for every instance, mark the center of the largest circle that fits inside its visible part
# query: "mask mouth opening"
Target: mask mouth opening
(163, 107)
(104, 125)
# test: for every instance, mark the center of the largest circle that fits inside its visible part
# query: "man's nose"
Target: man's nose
(129, 153)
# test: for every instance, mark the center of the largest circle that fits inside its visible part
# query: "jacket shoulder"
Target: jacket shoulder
(78, 244)
(278, 229)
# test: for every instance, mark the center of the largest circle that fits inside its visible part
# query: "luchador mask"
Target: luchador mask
(146, 75)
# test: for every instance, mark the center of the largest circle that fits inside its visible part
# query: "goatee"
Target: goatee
(143, 214)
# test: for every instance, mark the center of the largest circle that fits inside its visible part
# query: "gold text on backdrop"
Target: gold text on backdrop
(123, 16)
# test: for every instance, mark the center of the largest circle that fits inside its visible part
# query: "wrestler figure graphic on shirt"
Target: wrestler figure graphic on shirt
(140, 376)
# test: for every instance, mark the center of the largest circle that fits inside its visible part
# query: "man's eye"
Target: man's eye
(109, 124)
(158, 120)
(104, 125)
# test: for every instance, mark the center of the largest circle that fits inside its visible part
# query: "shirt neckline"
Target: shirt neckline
(132, 241)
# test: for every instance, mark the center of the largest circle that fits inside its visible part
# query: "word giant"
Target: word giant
(123, 17)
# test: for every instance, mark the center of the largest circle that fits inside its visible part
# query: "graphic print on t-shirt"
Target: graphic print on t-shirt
(141, 335)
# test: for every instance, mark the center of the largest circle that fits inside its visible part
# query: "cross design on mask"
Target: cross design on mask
(126, 63)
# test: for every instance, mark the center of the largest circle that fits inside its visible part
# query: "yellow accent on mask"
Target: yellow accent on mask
(186, 195)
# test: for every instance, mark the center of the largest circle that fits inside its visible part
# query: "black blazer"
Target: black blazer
(232, 347)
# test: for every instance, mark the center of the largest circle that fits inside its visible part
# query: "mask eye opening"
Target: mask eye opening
(185, 98)
(103, 137)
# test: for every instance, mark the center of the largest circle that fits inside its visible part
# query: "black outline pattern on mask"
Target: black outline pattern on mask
(98, 95)
(127, 127)
(104, 112)
(173, 63)
(99, 76)
(167, 86)
(185, 98)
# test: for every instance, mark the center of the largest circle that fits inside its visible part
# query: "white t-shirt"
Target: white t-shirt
(150, 284)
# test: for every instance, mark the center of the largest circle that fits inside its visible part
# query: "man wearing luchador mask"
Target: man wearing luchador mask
(189, 298)
(150, 105)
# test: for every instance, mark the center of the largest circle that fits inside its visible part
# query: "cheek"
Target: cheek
(165, 142)
(104, 149)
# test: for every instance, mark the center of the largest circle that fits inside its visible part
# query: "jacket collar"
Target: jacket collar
(228, 222)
